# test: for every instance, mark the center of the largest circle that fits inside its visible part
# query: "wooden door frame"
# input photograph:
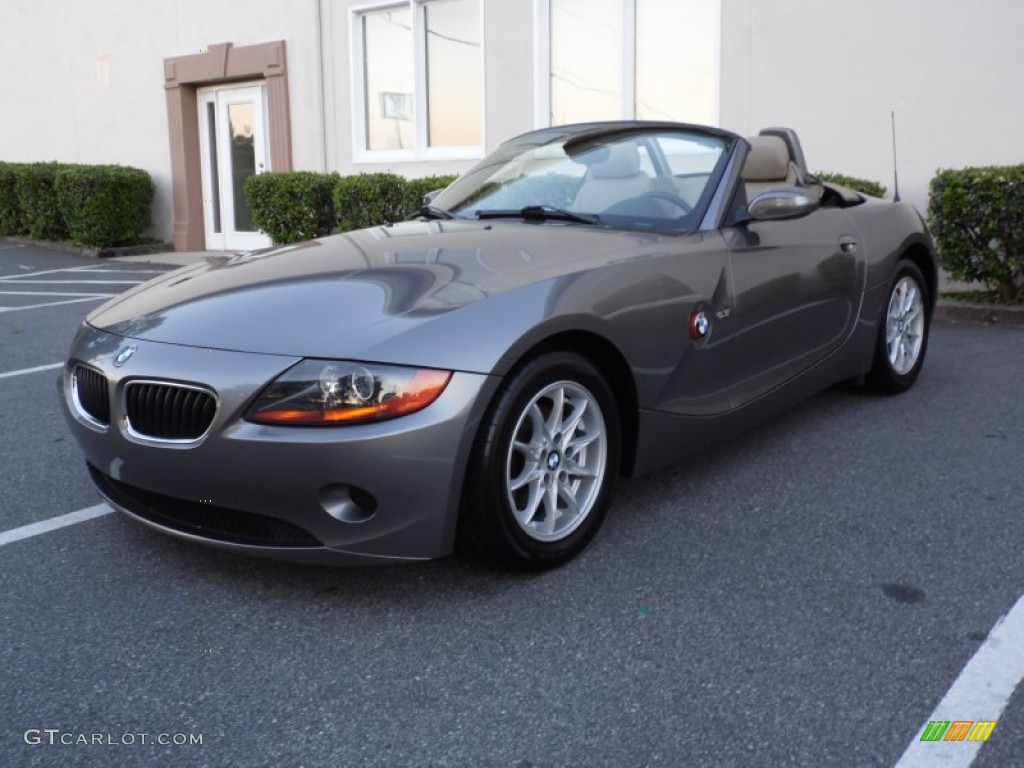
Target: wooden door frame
(219, 64)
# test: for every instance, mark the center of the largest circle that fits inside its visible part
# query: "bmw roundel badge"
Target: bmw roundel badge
(124, 355)
(699, 325)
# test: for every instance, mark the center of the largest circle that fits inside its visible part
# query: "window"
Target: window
(677, 60)
(418, 80)
(626, 59)
(586, 75)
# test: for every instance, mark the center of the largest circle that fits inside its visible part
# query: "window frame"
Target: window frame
(421, 152)
(627, 63)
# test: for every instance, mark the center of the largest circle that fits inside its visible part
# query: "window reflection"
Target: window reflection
(388, 75)
(675, 60)
(211, 127)
(673, 70)
(454, 76)
(436, 43)
(243, 161)
(586, 71)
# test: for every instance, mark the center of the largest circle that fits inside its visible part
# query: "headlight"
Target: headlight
(341, 392)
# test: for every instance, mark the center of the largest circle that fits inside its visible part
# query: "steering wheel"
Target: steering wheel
(671, 199)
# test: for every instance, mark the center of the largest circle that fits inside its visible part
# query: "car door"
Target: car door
(796, 290)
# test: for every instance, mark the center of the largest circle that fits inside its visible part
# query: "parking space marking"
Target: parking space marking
(55, 303)
(21, 278)
(81, 282)
(23, 371)
(33, 274)
(53, 524)
(126, 271)
(981, 692)
(54, 293)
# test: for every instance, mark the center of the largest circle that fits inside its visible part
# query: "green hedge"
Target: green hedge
(94, 205)
(301, 205)
(370, 199)
(977, 218)
(10, 212)
(417, 189)
(35, 186)
(104, 205)
(866, 186)
(293, 206)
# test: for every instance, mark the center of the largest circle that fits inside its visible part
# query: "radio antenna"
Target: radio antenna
(895, 171)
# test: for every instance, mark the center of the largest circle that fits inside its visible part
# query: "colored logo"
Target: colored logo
(699, 325)
(958, 730)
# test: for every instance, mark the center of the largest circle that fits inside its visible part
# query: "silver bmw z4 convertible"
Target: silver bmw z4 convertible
(588, 301)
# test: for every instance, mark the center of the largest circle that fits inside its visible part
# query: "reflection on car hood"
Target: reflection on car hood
(328, 297)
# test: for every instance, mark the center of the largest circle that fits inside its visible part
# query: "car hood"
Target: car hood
(349, 295)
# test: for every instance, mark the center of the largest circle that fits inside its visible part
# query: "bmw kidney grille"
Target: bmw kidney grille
(161, 411)
(92, 395)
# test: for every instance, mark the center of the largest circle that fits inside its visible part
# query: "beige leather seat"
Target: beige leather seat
(768, 165)
(616, 178)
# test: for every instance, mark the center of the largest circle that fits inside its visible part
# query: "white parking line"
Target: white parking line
(981, 692)
(38, 368)
(33, 274)
(125, 271)
(53, 293)
(45, 526)
(53, 303)
(82, 282)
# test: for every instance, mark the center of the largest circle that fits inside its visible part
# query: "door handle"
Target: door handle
(848, 245)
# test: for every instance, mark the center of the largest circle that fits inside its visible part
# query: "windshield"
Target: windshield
(660, 178)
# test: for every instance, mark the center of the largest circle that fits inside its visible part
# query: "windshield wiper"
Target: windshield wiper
(430, 212)
(540, 213)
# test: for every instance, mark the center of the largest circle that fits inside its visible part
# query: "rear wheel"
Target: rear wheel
(543, 466)
(903, 335)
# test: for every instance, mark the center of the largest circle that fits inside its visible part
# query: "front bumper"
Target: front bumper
(364, 493)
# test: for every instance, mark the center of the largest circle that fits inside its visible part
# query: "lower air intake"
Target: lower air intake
(205, 520)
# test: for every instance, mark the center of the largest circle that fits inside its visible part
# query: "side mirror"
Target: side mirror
(782, 203)
(429, 197)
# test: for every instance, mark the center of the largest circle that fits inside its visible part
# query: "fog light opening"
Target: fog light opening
(348, 503)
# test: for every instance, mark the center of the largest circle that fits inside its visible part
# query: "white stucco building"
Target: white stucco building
(201, 93)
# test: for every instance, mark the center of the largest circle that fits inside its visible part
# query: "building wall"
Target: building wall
(834, 71)
(59, 104)
(84, 82)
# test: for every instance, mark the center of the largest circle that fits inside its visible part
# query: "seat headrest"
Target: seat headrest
(623, 161)
(768, 159)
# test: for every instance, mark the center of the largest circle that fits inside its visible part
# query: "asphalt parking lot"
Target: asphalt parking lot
(811, 594)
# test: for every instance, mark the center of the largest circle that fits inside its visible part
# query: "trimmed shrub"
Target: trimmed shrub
(293, 206)
(370, 199)
(37, 198)
(417, 189)
(104, 205)
(872, 188)
(10, 211)
(977, 218)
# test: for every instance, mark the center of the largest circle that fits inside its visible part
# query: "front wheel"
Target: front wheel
(903, 336)
(543, 467)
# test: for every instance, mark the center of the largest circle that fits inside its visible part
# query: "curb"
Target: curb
(102, 253)
(967, 312)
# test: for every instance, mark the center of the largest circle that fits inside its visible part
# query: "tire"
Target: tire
(902, 334)
(520, 470)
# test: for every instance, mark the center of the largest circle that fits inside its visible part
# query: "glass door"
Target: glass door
(233, 139)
